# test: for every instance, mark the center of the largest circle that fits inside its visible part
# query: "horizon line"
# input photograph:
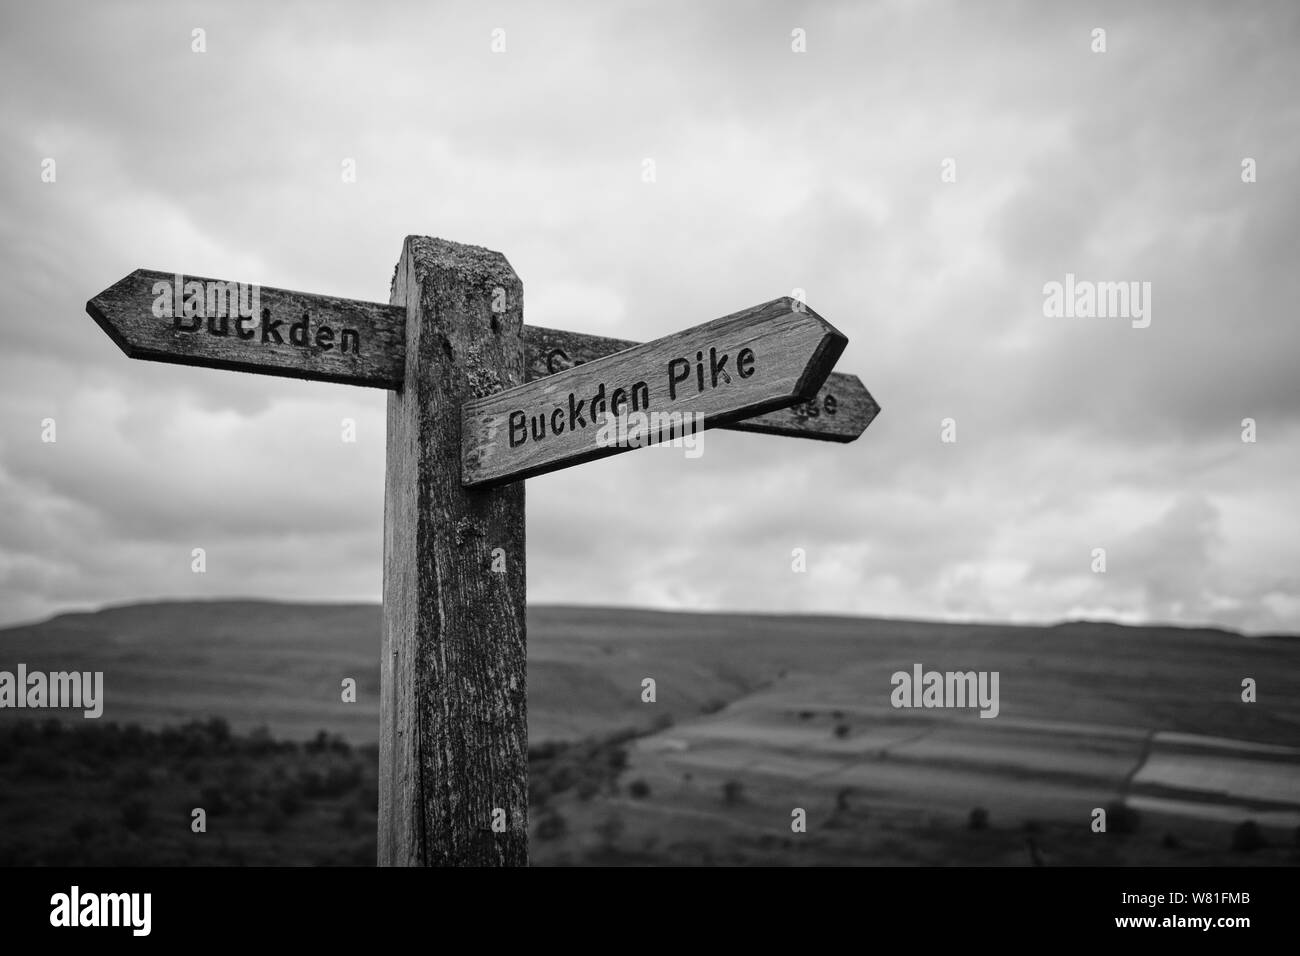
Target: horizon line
(970, 622)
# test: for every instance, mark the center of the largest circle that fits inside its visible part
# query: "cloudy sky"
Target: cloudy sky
(775, 170)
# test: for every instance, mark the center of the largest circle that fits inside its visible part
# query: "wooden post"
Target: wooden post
(453, 743)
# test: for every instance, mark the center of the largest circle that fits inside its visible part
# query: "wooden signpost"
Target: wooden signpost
(478, 401)
(374, 352)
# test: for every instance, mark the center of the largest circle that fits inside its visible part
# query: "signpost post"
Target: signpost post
(478, 401)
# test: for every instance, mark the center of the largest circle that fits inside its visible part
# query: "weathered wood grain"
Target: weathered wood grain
(753, 361)
(453, 710)
(840, 411)
(295, 334)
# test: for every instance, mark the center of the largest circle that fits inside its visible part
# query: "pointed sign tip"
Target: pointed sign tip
(94, 309)
(825, 355)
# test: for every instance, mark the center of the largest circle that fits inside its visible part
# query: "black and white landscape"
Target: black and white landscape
(1060, 241)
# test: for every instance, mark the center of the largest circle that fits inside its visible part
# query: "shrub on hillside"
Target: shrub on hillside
(84, 829)
(325, 742)
(214, 801)
(551, 827)
(1121, 818)
(41, 764)
(547, 750)
(616, 758)
(130, 780)
(274, 820)
(341, 780)
(136, 814)
(610, 829)
(289, 800)
(1248, 837)
(260, 742)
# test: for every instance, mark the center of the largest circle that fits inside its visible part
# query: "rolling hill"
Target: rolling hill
(757, 716)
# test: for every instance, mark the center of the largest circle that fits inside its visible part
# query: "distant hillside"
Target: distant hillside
(280, 665)
(755, 715)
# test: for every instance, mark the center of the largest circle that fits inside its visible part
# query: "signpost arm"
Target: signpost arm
(840, 412)
(453, 784)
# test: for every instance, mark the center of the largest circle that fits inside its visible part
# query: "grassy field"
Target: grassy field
(756, 719)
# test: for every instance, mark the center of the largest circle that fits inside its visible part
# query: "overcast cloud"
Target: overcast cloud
(775, 170)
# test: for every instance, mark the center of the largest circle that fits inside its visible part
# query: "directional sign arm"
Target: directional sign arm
(840, 411)
(551, 350)
(250, 328)
(748, 363)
